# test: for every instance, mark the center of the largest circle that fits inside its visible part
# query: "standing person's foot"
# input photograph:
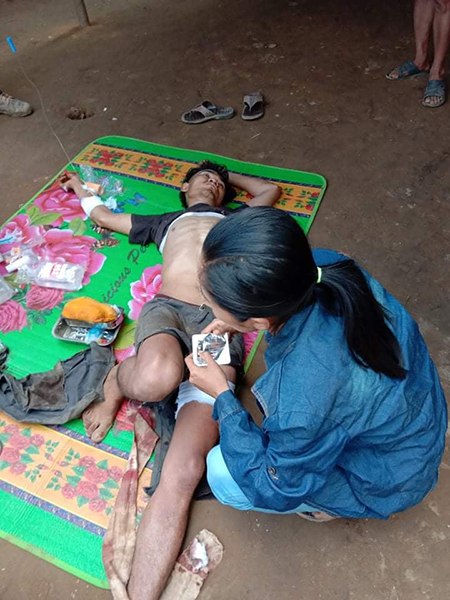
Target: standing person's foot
(407, 69)
(435, 93)
(12, 107)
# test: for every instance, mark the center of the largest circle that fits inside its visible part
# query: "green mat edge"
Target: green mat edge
(28, 546)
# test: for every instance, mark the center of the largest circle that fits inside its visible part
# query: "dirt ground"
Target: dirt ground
(321, 66)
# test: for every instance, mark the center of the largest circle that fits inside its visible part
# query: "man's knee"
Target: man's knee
(184, 476)
(152, 381)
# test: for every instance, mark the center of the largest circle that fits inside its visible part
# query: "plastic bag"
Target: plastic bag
(111, 187)
(23, 261)
(6, 291)
(60, 275)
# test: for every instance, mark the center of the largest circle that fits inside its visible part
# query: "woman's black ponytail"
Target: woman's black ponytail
(257, 263)
(344, 292)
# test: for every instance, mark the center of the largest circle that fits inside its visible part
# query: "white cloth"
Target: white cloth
(188, 392)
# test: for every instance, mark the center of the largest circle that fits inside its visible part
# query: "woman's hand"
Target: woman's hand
(218, 327)
(210, 379)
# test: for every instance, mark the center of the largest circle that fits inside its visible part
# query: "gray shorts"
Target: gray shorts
(182, 320)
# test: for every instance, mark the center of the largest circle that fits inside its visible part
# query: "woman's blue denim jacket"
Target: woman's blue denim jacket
(336, 436)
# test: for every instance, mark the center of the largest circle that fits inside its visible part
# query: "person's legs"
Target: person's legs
(12, 107)
(150, 376)
(423, 24)
(227, 491)
(441, 42)
(441, 38)
(424, 11)
(163, 524)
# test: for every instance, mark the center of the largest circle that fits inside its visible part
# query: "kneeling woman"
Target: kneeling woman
(354, 413)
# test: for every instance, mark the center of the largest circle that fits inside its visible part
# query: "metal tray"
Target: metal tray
(81, 335)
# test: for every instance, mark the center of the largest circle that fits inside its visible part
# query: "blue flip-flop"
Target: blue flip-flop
(435, 88)
(407, 69)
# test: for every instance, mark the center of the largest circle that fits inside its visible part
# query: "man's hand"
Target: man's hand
(218, 327)
(69, 180)
(210, 379)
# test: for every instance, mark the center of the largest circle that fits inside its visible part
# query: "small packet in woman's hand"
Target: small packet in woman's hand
(217, 345)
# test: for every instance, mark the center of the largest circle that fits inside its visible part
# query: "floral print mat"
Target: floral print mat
(57, 489)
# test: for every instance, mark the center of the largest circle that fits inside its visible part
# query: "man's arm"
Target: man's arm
(99, 214)
(264, 192)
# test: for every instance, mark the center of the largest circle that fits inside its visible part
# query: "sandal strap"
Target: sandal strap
(206, 108)
(252, 99)
(435, 87)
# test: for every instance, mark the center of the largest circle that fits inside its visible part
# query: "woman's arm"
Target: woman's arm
(283, 464)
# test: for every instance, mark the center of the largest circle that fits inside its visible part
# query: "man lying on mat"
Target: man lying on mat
(163, 339)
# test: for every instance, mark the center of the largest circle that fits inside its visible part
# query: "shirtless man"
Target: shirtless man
(162, 341)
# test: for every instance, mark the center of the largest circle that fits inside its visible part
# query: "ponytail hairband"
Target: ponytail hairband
(319, 275)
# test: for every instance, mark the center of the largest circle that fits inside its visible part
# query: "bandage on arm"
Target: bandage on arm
(88, 203)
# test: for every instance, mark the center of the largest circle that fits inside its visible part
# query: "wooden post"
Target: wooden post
(82, 14)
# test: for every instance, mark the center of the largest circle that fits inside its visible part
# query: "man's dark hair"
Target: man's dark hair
(222, 172)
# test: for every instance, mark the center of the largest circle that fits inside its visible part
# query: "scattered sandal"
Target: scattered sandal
(435, 89)
(206, 111)
(407, 69)
(253, 106)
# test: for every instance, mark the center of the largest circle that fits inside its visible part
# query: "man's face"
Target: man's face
(206, 186)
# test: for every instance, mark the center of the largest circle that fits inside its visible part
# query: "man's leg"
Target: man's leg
(441, 42)
(163, 524)
(150, 376)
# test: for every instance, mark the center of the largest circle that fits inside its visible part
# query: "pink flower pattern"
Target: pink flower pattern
(37, 440)
(41, 298)
(18, 468)
(144, 290)
(87, 461)
(19, 441)
(11, 455)
(13, 317)
(97, 504)
(69, 491)
(115, 473)
(62, 244)
(21, 229)
(66, 204)
(96, 475)
(87, 489)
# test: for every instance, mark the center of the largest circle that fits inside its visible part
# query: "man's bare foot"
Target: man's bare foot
(99, 417)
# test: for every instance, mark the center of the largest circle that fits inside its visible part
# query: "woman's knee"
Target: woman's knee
(222, 484)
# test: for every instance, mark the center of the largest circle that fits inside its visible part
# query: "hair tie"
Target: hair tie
(319, 275)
